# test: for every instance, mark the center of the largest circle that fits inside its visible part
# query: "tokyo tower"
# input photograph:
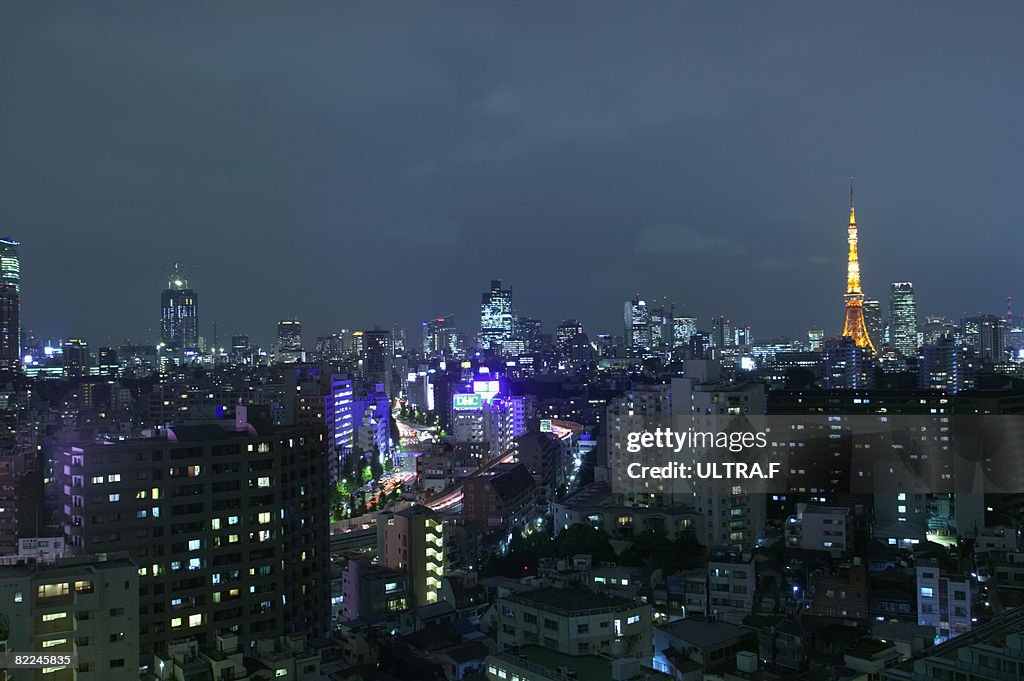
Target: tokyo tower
(854, 327)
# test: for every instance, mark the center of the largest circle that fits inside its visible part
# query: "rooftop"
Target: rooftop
(546, 662)
(571, 600)
(704, 634)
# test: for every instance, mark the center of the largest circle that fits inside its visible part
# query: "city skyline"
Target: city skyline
(678, 167)
(209, 325)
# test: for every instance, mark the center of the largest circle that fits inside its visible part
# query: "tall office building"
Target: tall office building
(873, 321)
(815, 339)
(377, 356)
(565, 333)
(683, 329)
(10, 306)
(529, 332)
(847, 365)
(227, 522)
(438, 335)
(721, 332)
(637, 321)
(854, 327)
(986, 334)
(496, 319)
(903, 318)
(179, 314)
(289, 341)
(661, 327)
(76, 357)
(944, 365)
(241, 352)
(289, 335)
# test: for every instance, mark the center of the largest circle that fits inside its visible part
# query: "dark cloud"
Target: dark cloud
(355, 164)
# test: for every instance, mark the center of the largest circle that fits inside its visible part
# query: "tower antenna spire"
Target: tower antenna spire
(852, 217)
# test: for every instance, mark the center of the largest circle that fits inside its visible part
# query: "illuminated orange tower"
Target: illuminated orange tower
(854, 327)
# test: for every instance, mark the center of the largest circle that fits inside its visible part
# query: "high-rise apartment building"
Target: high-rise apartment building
(81, 606)
(228, 525)
(411, 541)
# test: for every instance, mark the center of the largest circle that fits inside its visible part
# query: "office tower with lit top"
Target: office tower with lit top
(179, 314)
(289, 341)
(903, 318)
(10, 306)
(496, 319)
(854, 326)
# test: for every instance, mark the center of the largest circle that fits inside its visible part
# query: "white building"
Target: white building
(943, 600)
(77, 606)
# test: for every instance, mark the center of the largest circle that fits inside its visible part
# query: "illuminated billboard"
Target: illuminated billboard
(486, 389)
(467, 402)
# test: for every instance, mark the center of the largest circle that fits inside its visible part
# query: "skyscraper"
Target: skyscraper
(179, 314)
(854, 327)
(564, 334)
(682, 329)
(903, 318)
(377, 358)
(721, 332)
(289, 341)
(637, 321)
(986, 333)
(10, 306)
(437, 335)
(873, 320)
(495, 317)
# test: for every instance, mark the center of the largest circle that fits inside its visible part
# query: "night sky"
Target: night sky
(354, 164)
